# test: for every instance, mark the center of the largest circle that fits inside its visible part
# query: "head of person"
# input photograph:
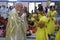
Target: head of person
(6, 7)
(3, 6)
(40, 4)
(40, 9)
(35, 7)
(52, 6)
(25, 9)
(19, 7)
(32, 12)
(10, 8)
(0, 6)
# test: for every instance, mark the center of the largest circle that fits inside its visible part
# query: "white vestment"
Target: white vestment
(16, 27)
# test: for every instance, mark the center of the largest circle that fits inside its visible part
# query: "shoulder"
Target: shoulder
(13, 11)
(55, 11)
(44, 18)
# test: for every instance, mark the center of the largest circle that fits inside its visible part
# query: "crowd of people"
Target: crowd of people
(19, 20)
(3, 19)
(4, 11)
(45, 23)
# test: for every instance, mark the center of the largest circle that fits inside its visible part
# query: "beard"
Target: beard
(18, 11)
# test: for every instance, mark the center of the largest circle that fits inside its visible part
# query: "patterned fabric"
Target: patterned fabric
(16, 27)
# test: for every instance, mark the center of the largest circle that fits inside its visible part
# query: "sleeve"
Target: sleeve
(24, 27)
(11, 26)
(56, 13)
(8, 29)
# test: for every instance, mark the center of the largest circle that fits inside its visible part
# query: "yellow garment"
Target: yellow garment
(44, 19)
(35, 24)
(39, 16)
(32, 18)
(51, 23)
(58, 35)
(52, 13)
(41, 33)
(51, 27)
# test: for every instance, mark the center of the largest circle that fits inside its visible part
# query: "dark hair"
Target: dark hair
(51, 7)
(3, 6)
(0, 6)
(31, 22)
(40, 8)
(46, 9)
(0, 23)
(10, 7)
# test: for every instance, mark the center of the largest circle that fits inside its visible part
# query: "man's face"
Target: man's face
(52, 8)
(18, 8)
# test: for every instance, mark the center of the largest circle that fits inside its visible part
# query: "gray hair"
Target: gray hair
(18, 4)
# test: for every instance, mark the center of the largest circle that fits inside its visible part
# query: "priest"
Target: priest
(17, 25)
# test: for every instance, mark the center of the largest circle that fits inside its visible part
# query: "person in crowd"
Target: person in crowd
(4, 12)
(40, 11)
(36, 20)
(33, 19)
(46, 10)
(10, 8)
(58, 33)
(27, 13)
(35, 10)
(52, 20)
(1, 29)
(41, 33)
(1, 25)
(16, 27)
(0, 10)
(32, 12)
(31, 16)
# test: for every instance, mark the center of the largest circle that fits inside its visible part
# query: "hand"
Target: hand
(57, 26)
(41, 25)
